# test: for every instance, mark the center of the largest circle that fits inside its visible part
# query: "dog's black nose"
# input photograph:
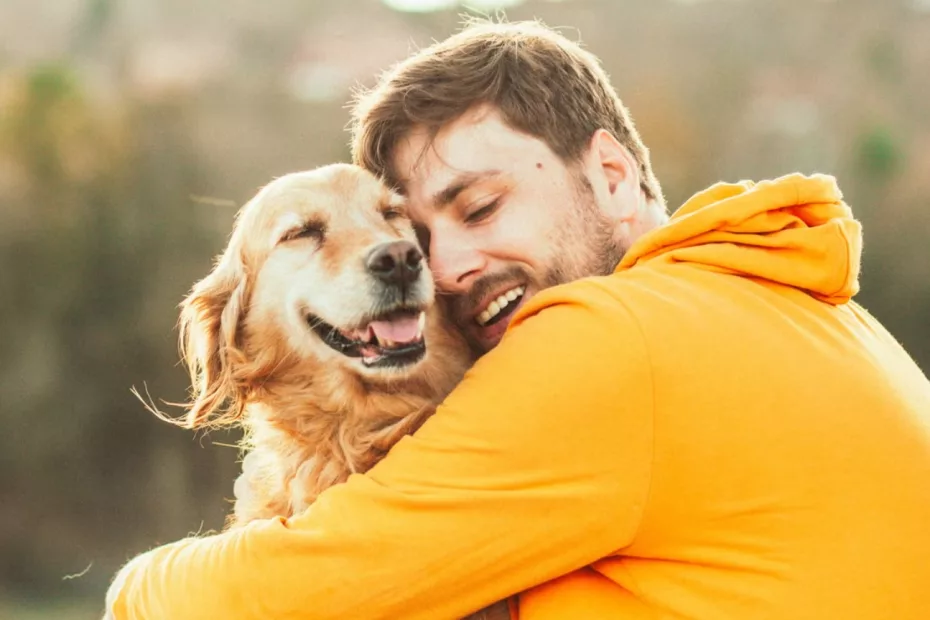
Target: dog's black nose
(396, 263)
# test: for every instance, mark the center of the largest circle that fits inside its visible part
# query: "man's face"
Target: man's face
(501, 218)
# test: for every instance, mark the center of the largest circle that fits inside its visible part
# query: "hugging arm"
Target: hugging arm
(536, 465)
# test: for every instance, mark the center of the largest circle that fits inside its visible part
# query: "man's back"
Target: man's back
(792, 458)
(791, 448)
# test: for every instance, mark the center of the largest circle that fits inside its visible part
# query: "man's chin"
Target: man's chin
(489, 336)
(486, 338)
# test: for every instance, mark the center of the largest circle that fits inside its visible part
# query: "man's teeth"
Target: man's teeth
(494, 308)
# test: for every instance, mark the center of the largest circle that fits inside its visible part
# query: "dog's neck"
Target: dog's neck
(313, 408)
(337, 421)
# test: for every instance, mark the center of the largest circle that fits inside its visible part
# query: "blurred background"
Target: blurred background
(131, 130)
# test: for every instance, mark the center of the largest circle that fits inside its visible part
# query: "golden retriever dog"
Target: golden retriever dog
(317, 331)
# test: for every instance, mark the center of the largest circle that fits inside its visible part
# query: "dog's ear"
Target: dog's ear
(209, 334)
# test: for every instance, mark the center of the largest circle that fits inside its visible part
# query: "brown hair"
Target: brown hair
(543, 85)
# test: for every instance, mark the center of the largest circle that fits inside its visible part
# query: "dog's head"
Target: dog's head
(322, 268)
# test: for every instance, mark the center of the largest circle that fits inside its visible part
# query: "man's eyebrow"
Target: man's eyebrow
(446, 196)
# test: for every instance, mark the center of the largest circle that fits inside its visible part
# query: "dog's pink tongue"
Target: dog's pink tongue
(400, 330)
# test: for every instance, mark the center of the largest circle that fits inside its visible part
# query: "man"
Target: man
(707, 427)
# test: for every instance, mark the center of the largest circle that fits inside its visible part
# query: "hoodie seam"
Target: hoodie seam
(648, 484)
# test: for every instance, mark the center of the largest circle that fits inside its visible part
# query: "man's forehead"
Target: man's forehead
(467, 150)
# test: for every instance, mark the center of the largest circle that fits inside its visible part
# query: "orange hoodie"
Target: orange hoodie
(714, 431)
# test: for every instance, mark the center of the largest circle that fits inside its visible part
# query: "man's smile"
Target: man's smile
(494, 310)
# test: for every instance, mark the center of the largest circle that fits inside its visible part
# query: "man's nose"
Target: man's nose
(396, 263)
(455, 263)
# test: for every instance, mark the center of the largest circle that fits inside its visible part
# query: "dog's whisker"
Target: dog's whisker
(316, 322)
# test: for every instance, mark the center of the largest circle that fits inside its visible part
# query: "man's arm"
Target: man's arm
(536, 465)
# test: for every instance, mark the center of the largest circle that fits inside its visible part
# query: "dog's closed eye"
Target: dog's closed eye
(314, 230)
(392, 213)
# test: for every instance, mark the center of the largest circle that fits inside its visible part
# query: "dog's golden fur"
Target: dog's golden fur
(311, 415)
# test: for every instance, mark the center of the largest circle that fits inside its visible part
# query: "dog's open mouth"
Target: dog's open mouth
(392, 339)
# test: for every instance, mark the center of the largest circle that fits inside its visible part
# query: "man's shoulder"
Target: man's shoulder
(625, 295)
(672, 305)
(600, 296)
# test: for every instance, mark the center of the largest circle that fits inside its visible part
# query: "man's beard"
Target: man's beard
(585, 244)
(582, 245)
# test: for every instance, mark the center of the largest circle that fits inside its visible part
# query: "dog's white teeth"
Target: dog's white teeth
(495, 307)
(421, 323)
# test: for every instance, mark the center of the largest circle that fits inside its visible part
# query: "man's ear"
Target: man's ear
(209, 328)
(620, 174)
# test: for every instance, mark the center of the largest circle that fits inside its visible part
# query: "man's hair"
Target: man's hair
(542, 84)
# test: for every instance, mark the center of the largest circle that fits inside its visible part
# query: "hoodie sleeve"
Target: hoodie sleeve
(536, 465)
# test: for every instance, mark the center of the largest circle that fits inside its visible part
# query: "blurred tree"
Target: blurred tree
(104, 245)
(879, 154)
(97, 16)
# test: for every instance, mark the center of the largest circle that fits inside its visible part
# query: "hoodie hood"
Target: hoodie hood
(794, 230)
